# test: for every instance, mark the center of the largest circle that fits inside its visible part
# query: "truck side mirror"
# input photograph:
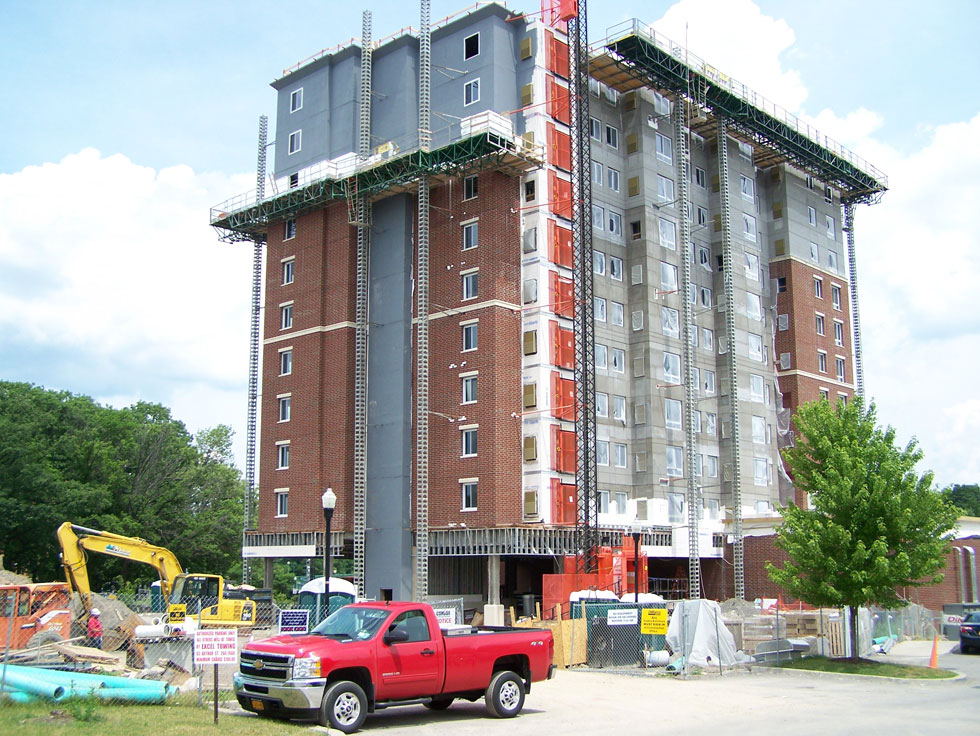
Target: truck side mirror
(395, 635)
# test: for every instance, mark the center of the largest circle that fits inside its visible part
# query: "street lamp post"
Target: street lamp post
(329, 501)
(636, 531)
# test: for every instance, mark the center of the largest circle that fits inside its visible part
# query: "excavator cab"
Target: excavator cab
(196, 592)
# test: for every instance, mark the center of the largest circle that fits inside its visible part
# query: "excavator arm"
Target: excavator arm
(76, 540)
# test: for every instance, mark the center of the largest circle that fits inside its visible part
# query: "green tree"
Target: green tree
(964, 497)
(874, 526)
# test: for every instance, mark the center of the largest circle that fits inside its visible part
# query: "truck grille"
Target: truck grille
(270, 666)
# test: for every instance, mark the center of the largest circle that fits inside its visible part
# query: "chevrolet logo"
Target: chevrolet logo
(258, 664)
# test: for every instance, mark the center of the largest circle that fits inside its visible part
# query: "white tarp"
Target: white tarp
(697, 630)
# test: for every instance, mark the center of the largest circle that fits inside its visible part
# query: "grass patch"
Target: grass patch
(868, 667)
(78, 718)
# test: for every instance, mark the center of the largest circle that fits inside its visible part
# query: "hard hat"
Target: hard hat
(96, 612)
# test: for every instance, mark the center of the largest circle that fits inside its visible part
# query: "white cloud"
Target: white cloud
(112, 284)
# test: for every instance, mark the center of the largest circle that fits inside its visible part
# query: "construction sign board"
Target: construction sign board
(215, 646)
(654, 621)
(621, 616)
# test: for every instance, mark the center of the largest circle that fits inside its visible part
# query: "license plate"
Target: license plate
(258, 705)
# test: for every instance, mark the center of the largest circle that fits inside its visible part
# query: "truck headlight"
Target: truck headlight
(306, 668)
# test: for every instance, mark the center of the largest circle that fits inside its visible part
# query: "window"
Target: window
(702, 216)
(697, 421)
(295, 142)
(636, 274)
(293, 181)
(598, 262)
(661, 105)
(530, 291)
(759, 467)
(469, 389)
(282, 454)
(613, 179)
(832, 261)
(675, 461)
(468, 436)
(612, 95)
(296, 100)
(831, 228)
(598, 217)
(665, 148)
(835, 296)
(755, 387)
(282, 502)
(755, 346)
(619, 408)
(468, 492)
(601, 356)
(751, 266)
(665, 189)
(612, 136)
(700, 177)
(529, 193)
(759, 430)
(670, 322)
(705, 297)
(599, 309)
(668, 234)
(288, 270)
(470, 336)
(822, 361)
(286, 316)
(615, 268)
(619, 459)
(616, 224)
(621, 497)
(672, 368)
(748, 188)
(616, 314)
(470, 187)
(597, 173)
(668, 277)
(753, 306)
(618, 360)
(672, 413)
(471, 46)
(602, 454)
(840, 369)
(818, 287)
(825, 394)
(710, 423)
(289, 231)
(749, 227)
(820, 325)
(780, 284)
(285, 362)
(811, 216)
(531, 342)
(709, 382)
(471, 235)
(594, 85)
(814, 253)
(471, 92)
(745, 150)
(471, 284)
(838, 334)
(601, 404)
(595, 129)
(285, 406)
(636, 229)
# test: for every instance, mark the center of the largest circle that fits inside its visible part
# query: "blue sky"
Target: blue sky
(125, 121)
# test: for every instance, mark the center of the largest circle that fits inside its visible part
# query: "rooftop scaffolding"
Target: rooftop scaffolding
(487, 143)
(634, 56)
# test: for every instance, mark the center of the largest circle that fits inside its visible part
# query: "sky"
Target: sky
(125, 121)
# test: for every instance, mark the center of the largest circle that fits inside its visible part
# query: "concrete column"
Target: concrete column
(268, 571)
(493, 580)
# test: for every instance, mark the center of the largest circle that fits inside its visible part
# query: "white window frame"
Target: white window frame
(471, 234)
(601, 404)
(285, 407)
(616, 314)
(597, 177)
(618, 360)
(612, 136)
(700, 177)
(286, 316)
(675, 462)
(470, 281)
(288, 270)
(619, 408)
(285, 361)
(620, 458)
(295, 141)
(471, 182)
(601, 356)
(470, 328)
(599, 309)
(296, 100)
(668, 233)
(471, 92)
(835, 294)
(665, 148)
(811, 214)
(615, 223)
(470, 388)
(612, 177)
(672, 368)
(602, 453)
(468, 441)
(599, 262)
(615, 268)
(838, 333)
(282, 503)
(595, 129)
(665, 190)
(747, 187)
(668, 276)
(282, 455)
(670, 322)
(468, 494)
(673, 414)
(289, 229)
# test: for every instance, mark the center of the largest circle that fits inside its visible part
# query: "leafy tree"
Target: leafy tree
(874, 526)
(966, 498)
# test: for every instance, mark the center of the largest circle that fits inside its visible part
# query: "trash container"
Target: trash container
(527, 605)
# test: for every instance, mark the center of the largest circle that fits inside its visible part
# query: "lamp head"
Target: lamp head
(328, 499)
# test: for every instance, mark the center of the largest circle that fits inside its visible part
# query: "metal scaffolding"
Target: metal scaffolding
(853, 285)
(585, 424)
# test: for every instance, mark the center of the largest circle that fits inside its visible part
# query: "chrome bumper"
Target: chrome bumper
(291, 695)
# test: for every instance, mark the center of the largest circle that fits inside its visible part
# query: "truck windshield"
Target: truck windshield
(352, 623)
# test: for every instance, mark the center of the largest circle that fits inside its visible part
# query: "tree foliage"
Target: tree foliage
(135, 471)
(964, 497)
(875, 525)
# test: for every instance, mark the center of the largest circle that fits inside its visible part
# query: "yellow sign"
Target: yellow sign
(653, 621)
(178, 612)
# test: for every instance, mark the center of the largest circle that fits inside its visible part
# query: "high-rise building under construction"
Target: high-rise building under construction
(521, 294)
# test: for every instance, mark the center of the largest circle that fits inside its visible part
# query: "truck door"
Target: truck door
(413, 668)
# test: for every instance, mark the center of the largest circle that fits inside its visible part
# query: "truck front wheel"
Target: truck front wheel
(505, 695)
(344, 706)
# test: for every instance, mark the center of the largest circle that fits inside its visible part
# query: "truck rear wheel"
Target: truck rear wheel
(505, 694)
(344, 706)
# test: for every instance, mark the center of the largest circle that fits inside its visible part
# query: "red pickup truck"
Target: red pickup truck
(369, 656)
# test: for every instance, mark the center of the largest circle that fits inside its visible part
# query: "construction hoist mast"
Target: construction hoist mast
(362, 218)
(585, 424)
(422, 323)
(249, 505)
(853, 289)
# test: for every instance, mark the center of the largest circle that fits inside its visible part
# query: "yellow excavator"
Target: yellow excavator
(186, 594)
